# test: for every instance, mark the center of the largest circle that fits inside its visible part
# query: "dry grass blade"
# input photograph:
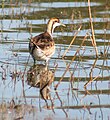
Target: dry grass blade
(91, 72)
(91, 81)
(83, 106)
(67, 68)
(72, 41)
(61, 104)
(92, 29)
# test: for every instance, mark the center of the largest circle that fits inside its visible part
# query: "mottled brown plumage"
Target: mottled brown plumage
(42, 47)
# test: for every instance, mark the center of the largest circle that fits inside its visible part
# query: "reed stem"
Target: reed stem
(92, 29)
(71, 42)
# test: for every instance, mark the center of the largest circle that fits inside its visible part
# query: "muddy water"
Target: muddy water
(20, 97)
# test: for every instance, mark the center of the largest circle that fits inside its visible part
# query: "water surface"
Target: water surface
(21, 20)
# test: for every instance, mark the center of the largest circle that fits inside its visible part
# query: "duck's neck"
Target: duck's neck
(50, 28)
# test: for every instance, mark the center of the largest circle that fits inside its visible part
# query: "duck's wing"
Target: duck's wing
(43, 41)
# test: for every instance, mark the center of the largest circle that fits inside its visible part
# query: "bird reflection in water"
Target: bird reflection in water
(41, 77)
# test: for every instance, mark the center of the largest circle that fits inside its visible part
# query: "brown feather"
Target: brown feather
(43, 41)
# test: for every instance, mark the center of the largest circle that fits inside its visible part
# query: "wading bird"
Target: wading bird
(42, 46)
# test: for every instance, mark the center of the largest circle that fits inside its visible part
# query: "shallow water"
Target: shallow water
(19, 21)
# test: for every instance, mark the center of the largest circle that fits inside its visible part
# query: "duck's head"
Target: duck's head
(52, 24)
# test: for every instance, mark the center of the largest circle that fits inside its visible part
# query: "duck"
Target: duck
(42, 46)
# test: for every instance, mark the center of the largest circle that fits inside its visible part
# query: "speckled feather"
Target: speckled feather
(44, 42)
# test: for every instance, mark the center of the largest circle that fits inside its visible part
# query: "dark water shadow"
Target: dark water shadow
(41, 77)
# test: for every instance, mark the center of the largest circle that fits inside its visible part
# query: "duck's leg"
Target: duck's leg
(34, 62)
(46, 62)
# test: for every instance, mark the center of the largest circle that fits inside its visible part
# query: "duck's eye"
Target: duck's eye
(56, 21)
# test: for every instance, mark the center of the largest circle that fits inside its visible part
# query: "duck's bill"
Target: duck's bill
(62, 24)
